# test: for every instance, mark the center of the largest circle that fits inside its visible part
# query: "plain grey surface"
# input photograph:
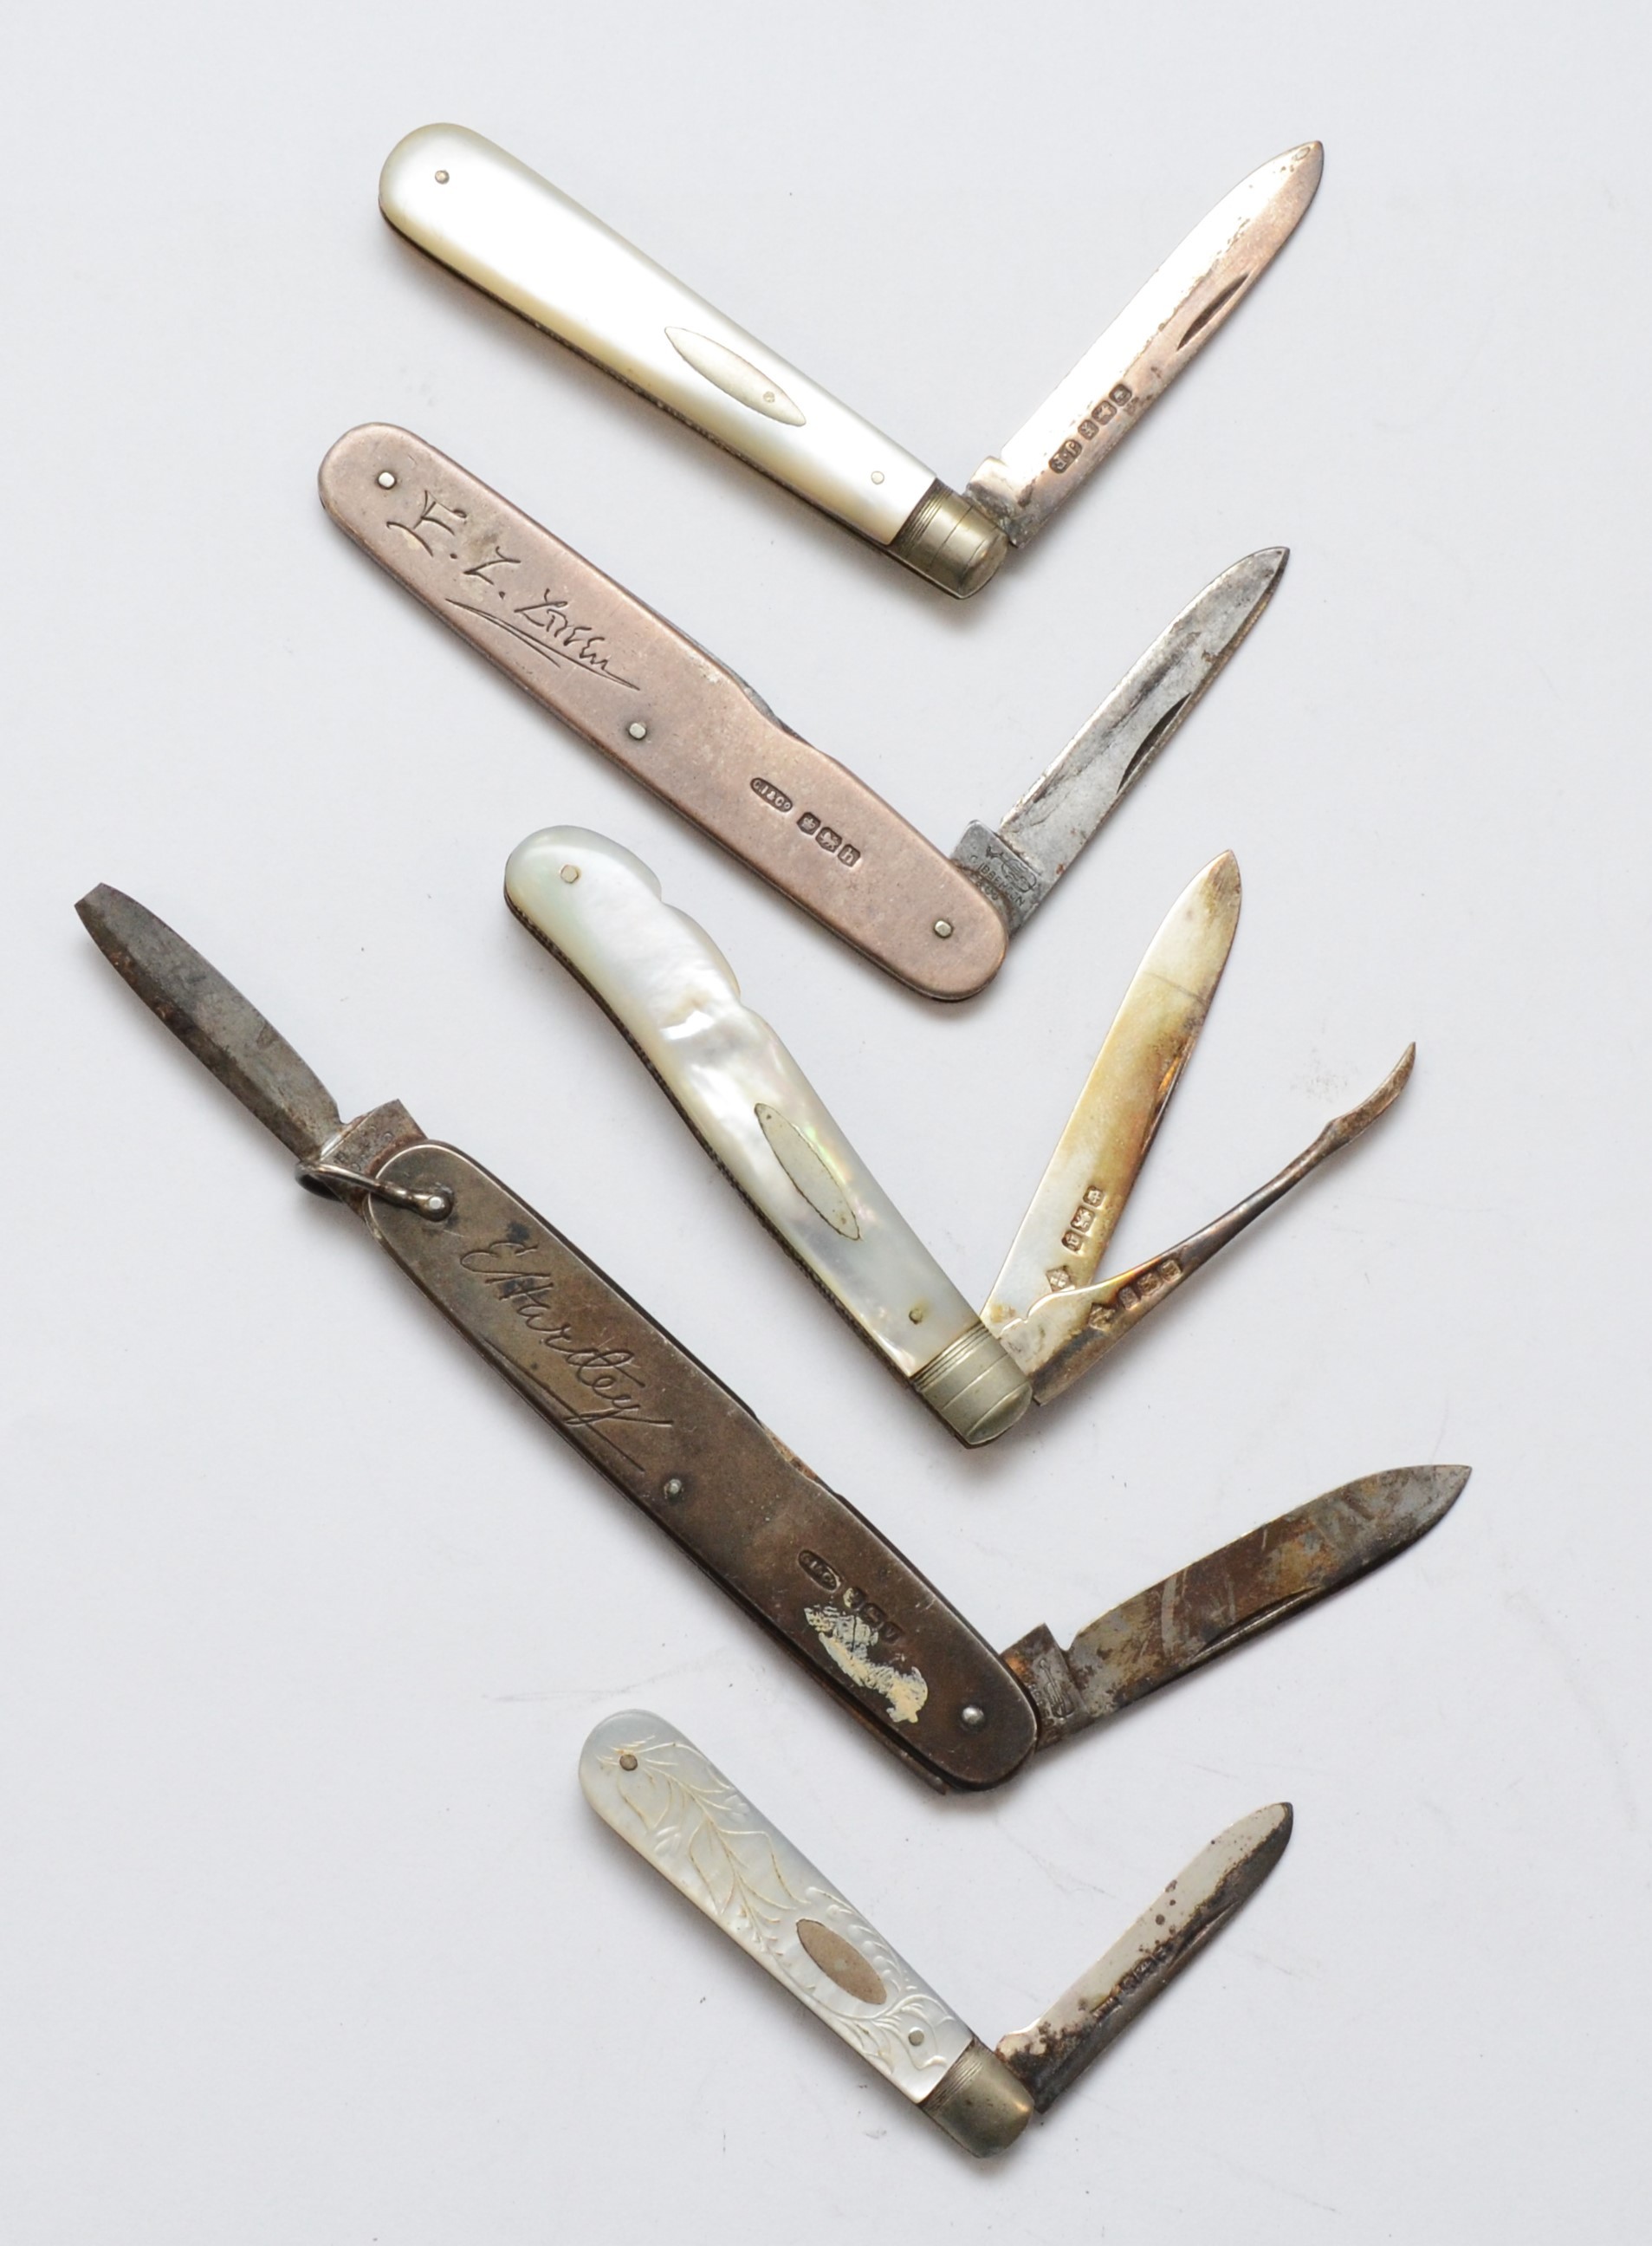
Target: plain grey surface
(305, 1933)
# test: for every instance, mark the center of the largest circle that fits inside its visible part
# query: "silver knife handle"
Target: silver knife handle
(677, 1809)
(502, 226)
(662, 709)
(675, 997)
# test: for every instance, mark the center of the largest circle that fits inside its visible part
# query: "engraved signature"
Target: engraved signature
(545, 625)
(608, 1376)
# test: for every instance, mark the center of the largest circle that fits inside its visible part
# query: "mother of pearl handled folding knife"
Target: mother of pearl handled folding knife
(664, 1798)
(496, 223)
(671, 1438)
(1050, 1315)
(693, 731)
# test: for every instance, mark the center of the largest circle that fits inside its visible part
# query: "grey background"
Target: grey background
(305, 1933)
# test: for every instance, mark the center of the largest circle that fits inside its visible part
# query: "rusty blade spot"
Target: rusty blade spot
(1255, 1582)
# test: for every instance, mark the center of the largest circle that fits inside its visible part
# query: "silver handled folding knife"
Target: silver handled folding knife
(491, 220)
(692, 730)
(671, 1437)
(671, 1803)
(1050, 1317)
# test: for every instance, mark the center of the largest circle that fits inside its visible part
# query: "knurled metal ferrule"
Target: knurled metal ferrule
(950, 542)
(979, 2103)
(975, 1386)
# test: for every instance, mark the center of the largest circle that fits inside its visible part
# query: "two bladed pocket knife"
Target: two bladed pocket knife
(491, 220)
(1050, 1315)
(695, 733)
(671, 1437)
(671, 1803)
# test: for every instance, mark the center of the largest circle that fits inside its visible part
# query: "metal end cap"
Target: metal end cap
(950, 542)
(975, 1386)
(979, 2103)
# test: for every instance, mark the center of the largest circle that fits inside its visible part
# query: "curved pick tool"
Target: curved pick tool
(1049, 1318)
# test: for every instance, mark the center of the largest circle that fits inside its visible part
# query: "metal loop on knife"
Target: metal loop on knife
(329, 1177)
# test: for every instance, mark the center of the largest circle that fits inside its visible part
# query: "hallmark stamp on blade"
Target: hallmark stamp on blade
(1104, 410)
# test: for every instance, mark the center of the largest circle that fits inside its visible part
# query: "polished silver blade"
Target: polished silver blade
(1068, 1333)
(1058, 1250)
(209, 1015)
(1228, 1597)
(1159, 331)
(1050, 2056)
(1037, 839)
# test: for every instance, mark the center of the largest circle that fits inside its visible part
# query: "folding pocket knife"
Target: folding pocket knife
(671, 1803)
(1050, 1315)
(692, 730)
(478, 211)
(671, 1437)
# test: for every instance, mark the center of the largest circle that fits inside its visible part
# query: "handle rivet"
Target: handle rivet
(915, 1314)
(972, 1717)
(637, 730)
(628, 1760)
(386, 481)
(943, 927)
(441, 178)
(674, 1488)
(914, 2036)
(570, 872)
(877, 475)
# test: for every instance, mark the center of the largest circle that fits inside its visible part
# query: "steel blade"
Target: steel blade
(1065, 1233)
(1162, 329)
(1039, 839)
(1069, 1332)
(1050, 2055)
(209, 1015)
(1228, 1597)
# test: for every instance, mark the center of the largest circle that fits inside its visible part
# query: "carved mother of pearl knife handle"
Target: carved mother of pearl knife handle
(663, 710)
(497, 224)
(677, 1809)
(674, 996)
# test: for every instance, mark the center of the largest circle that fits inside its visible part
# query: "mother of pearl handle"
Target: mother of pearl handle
(675, 997)
(502, 226)
(675, 1809)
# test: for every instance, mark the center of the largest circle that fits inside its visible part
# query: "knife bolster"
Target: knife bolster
(974, 1387)
(979, 2103)
(950, 542)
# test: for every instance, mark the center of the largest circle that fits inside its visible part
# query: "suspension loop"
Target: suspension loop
(334, 1179)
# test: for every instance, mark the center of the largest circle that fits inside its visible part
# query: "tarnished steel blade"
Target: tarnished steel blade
(1067, 1333)
(1228, 1597)
(1050, 2055)
(1065, 1233)
(1039, 839)
(1163, 328)
(210, 1016)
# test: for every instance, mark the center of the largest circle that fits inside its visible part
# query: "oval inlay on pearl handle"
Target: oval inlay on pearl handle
(675, 997)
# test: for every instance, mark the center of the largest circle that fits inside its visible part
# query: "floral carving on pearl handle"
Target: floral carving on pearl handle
(663, 1796)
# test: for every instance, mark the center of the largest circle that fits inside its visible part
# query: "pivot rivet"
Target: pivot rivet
(570, 872)
(628, 1760)
(972, 1717)
(637, 730)
(943, 927)
(441, 178)
(386, 481)
(674, 1488)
